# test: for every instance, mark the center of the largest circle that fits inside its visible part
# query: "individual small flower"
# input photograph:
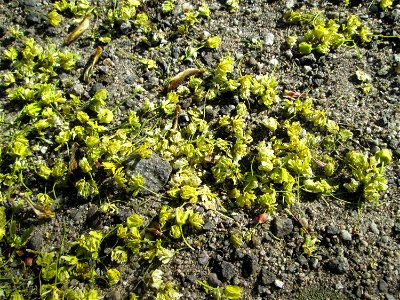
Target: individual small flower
(196, 220)
(84, 165)
(82, 116)
(213, 42)
(233, 292)
(113, 276)
(134, 221)
(270, 123)
(384, 155)
(175, 232)
(105, 116)
(204, 11)
(167, 6)
(189, 193)
(119, 254)
(156, 278)
(305, 48)
(54, 18)
(182, 215)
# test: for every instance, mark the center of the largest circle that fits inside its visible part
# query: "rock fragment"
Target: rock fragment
(155, 172)
(282, 227)
(227, 270)
(338, 265)
(250, 265)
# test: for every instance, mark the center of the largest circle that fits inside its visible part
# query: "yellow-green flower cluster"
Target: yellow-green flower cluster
(326, 34)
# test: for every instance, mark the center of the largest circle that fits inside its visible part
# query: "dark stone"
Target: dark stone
(314, 263)
(203, 258)
(239, 254)
(332, 230)
(383, 121)
(389, 297)
(359, 292)
(218, 258)
(267, 277)
(382, 285)
(396, 14)
(307, 59)
(129, 79)
(2, 31)
(338, 265)
(104, 70)
(208, 58)
(396, 227)
(208, 225)
(77, 215)
(302, 260)
(175, 52)
(36, 241)
(213, 280)
(51, 31)
(318, 82)
(93, 218)
(29, 3)
(154, 38)
(227, 270)
(227, 109)
(114, 295)
(122, 215)
(125, 27)
(95, 88)
(282, 227)
(155, 172)
(397, 152)
(250, 265)
(191, 278)
(211, 113)
(34, 17)
(393, 143)
(151, 83)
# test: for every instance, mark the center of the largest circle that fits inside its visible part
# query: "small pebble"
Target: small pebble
(267, 277)
(227, 270)
(396, 227)
(338, 265)
(314, 263)
(345, 235)
(125, 27)
(389, 297)
(339, 286)
(213, 280)
(282, 226)
(396, 14)
(302, 260)
(289, 3)
(274, 62)
(203, 258)
(304, 223)
(250, 265)
(269, 39)
(374, 228)
(382, 285)
(332, 230)
(278, 283)
(385, 239)
(288, 53)
(307, 69)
